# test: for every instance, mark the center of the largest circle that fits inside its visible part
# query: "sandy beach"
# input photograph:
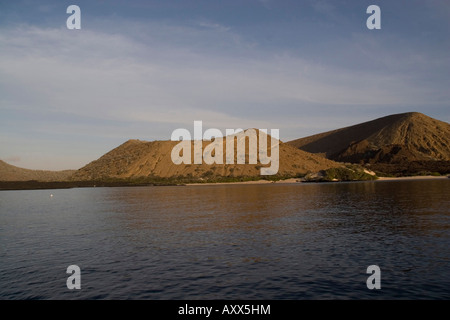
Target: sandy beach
(298, 180)
(411, 178)
(292, 180)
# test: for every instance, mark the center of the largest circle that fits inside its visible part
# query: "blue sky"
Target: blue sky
(140, 69)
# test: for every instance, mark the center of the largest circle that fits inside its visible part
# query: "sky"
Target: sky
(141, 69)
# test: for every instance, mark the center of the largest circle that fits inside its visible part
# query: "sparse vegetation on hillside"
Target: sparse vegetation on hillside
(153, 158)
(412, 168)
(348, 173)
(9, 172)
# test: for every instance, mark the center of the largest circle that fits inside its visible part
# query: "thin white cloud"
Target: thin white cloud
(212, 25)
(110, 75)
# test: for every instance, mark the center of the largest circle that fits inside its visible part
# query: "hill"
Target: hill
(395, 142)
(136, 158)
(12, 173)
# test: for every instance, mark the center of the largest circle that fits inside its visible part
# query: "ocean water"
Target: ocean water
(268, 241)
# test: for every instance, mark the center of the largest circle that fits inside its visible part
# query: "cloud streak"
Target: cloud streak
(108, 75)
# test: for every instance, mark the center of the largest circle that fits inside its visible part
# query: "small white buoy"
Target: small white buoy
(51, 195)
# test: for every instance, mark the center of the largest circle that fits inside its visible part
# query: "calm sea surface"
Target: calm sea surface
(272, 241)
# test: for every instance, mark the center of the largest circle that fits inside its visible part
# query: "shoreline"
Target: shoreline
(411, 178)
(299, 180)
(36, 185)
(290, 180)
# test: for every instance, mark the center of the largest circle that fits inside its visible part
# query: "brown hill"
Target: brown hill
(396, 138)
(12, 173)
(137, 158)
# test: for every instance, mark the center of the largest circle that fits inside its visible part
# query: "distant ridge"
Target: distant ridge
(9, 172)
(395, 139)
(401, 144)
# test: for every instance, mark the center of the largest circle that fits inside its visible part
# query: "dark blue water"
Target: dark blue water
(275, 241)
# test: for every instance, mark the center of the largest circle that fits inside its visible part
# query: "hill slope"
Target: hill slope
(12, 173)
(412, 136)
(137, 158)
